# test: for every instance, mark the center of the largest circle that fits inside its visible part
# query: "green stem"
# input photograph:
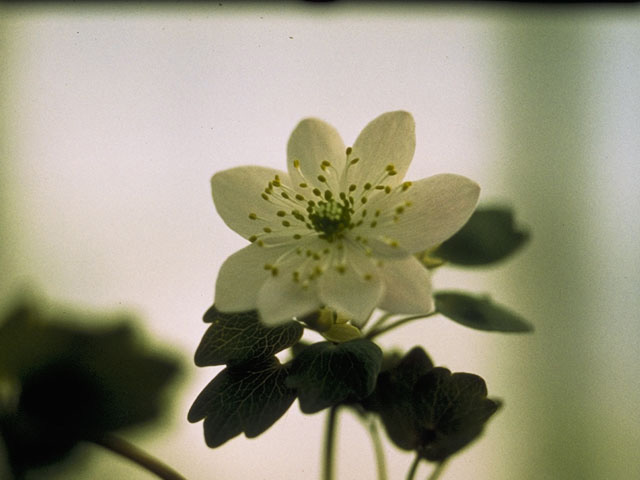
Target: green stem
(379, 321)
(381, 464)
(414, 468)
(437, 471)
(375, 332)
(329, 444)
(143, 459)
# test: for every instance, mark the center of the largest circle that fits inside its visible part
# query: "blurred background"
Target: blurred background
(115, 117)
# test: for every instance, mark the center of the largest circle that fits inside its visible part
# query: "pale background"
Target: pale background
(114, 118)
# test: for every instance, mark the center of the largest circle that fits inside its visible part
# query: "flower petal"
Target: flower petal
(389, 139)
(311, 143)
(407, 287)
(242, 275)
(438, 207)
(385, 248)
(237, 193)
(280, 298)
(356, 291)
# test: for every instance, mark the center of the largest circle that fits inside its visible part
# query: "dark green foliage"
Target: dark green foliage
(245, 399)
(255, 390)
(71, 383)
(479, 312)
(452, 410)
(251, 393)
(393, 398)
(325, 374)
(489, 236)
(428, 409)
(237, 338)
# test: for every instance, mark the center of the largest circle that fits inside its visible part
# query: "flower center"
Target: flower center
(330, 218)
(332, 208)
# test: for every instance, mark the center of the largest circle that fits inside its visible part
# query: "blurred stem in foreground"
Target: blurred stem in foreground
(138, 456)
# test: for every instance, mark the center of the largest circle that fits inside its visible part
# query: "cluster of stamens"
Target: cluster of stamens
(310, 212)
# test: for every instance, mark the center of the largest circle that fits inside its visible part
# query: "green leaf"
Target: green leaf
(479, 313)
(325, 374)
(393, 398)
(245, 399)
(73, 383)
(451, 410)
(428, 409)
(237, 338)
(488, 237)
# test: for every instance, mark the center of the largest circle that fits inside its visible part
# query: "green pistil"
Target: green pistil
(330, 218)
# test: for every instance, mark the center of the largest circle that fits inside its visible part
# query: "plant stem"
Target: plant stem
(379, 321)
(377, 446)
(143, 459)
(437, 471)
(329, 444)
(414, 468)
(374, 333)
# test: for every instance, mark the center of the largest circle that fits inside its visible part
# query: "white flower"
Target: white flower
(340, 228)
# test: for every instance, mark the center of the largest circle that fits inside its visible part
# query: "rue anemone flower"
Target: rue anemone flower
(340, 228)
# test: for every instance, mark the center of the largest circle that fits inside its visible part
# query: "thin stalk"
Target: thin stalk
(437, 471)
(379, 321)
(414, 468)
(329, 444)
(374, 333)
(381, 464)
(136, 455)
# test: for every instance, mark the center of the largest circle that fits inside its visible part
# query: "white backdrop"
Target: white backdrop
(115, 119)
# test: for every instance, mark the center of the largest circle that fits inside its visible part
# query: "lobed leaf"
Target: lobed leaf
(325, 374)
(245, 399)
(240, 337)
(393, 398)
(428, 409)
(479, 312)
(452, 410)
(73, 383)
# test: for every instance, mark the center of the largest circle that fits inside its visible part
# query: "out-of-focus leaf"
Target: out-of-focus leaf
(325, 374)
(479, 313)
(245, 399)
(237, 338)
(451, 410)
(73, 383)
(489, 236)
